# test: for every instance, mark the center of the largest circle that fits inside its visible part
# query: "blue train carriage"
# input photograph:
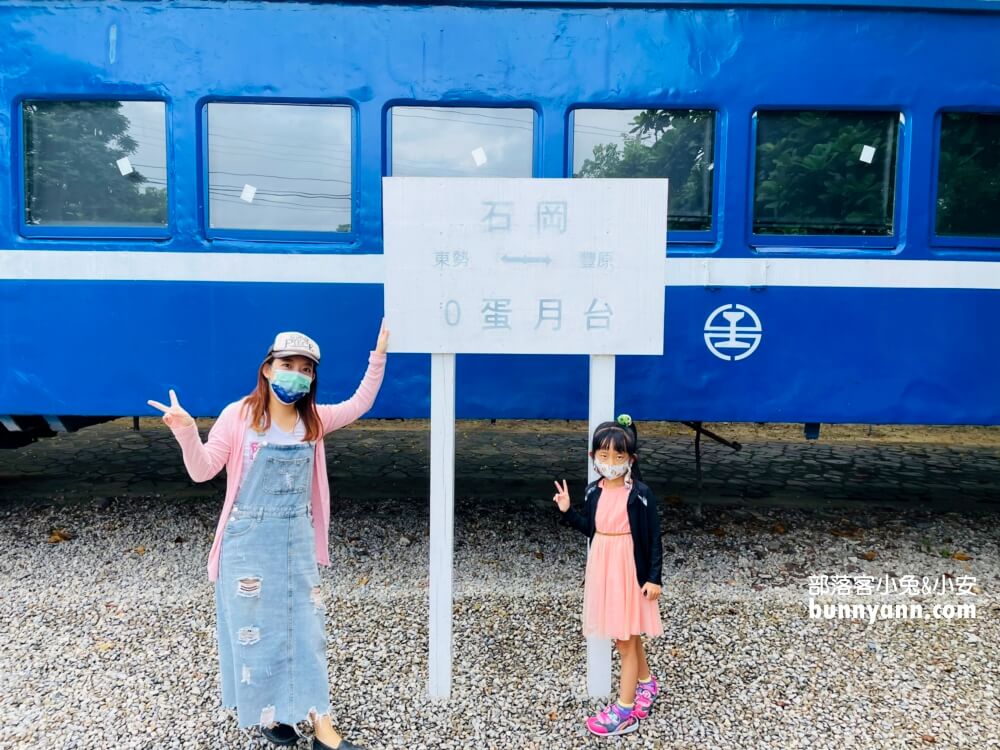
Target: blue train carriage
(183, 179)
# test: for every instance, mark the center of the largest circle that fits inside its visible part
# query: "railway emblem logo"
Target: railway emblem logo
(733, 332)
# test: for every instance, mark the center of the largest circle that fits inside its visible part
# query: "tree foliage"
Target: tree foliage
(71, 172)
(664, 143)
(811, 177)
(968, 199)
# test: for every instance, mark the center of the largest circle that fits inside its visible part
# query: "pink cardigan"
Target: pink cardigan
(225, 448)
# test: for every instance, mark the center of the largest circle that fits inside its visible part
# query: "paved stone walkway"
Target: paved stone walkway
(950, 468)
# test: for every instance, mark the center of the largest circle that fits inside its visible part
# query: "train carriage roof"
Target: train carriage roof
(924, 5)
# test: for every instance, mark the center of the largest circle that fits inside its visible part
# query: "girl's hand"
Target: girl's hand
(561, 498)
(383, 339)
(173, 415)
(651, 591)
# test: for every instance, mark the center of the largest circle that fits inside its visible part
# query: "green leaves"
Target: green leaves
(71, 177)
(810, 177)
(968, 200)
(677, 145)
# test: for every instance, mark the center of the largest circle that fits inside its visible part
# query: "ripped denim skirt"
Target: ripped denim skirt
(270, 616)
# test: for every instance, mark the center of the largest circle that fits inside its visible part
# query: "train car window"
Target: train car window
(968, 190)
(677, 144)
(279, 167)
(462, 141)
(825, 173)
(95, 163)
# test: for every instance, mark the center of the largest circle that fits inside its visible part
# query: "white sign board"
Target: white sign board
(524, 266)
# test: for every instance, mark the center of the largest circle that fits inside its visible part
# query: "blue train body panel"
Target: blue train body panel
(79, 340)
(825, 355)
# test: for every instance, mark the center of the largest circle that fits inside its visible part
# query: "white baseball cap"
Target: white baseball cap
(294, 344)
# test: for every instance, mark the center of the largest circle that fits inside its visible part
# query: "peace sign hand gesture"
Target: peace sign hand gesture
(173, 415)
(561, 498)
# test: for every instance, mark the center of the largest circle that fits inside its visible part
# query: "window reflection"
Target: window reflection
(95, 163)
(279, 167)
(828, 173)
(968, 200)
(462, 141)
(677, 145)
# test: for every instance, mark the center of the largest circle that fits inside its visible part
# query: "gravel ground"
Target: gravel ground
(107, 638)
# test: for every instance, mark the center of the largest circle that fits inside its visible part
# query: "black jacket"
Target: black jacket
(644, 521)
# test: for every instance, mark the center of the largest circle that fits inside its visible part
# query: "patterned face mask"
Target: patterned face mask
(289, 386)
(611, 471)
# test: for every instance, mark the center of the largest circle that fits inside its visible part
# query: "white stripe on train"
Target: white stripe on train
(104, 265)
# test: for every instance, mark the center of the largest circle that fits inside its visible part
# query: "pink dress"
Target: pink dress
(613, 604)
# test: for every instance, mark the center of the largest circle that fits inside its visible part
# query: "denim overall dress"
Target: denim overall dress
(270, 613)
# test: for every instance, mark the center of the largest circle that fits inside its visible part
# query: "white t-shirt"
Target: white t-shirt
(253, 440)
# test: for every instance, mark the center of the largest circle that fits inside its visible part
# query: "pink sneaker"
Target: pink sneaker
(613, 720)
(645, 696)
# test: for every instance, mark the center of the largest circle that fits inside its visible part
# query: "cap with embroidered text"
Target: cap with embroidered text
(294, 344)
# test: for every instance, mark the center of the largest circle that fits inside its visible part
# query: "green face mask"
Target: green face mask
(289, 386)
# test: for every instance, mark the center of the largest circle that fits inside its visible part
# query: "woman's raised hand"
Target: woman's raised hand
(383, 339)
(561, 498)
(173, 415)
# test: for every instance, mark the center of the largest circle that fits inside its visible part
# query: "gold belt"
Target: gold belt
(613, 533)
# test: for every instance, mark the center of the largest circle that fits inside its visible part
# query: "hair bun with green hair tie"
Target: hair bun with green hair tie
(624, 420)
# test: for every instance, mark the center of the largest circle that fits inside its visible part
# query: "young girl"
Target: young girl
(623, 580)
(274, 529)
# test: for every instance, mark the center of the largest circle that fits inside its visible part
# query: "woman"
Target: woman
(272, 532)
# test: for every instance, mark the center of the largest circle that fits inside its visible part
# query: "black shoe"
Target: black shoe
(344, 745)
(281, 734)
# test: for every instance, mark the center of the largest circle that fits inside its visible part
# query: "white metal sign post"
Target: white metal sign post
(601, 409)
(517, 266)
(442, 521)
